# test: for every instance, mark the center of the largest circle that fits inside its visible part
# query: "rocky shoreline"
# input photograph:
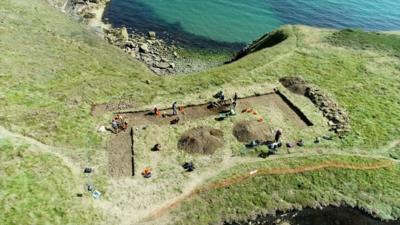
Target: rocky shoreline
(160, 57)
(155, 53)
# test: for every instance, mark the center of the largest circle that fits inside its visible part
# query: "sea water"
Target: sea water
(231, 23)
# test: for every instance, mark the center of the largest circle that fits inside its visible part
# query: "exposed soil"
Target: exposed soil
(327, 216)
(120, 154)
(119, 146)
(246, 131)
(203, 140)
(296, 85)
(272, 100)
(100, 109)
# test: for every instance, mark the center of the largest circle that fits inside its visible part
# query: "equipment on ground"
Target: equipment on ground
(175, 121)
(219, 95)
(146, 173)
(90, 187)
(157, 147)
(188, 166)
(88, 170)
(253, 144)
(96, 194)
(223, 116)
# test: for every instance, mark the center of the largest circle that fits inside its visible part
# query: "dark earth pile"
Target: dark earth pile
(246, 131)
(203, 140)
(295, 84)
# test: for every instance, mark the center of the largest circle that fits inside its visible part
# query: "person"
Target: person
(235, 97)
(234, 104)
(115, 125)
(174, 112)
(156, 111)
(222, 96)
(278, 135)
(124, 126)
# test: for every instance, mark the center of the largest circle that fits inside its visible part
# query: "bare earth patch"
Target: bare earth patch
(296, 85)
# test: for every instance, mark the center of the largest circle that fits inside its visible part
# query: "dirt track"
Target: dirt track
(266, 171)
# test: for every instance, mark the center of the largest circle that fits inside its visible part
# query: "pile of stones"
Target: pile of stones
(155, 53)
(339, 120)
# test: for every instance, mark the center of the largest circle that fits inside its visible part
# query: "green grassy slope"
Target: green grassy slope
(266, 193)
(36, 188)
(52, 69)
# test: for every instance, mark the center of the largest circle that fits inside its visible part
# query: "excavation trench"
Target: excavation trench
(121, 146)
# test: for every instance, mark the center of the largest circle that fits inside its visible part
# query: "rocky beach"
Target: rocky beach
(161, 57)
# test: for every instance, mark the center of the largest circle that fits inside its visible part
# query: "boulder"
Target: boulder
(152, 34)
(162, 65)
(130, 44)
(144, 48)
(89, 15)
(80, 2)
(124, 35)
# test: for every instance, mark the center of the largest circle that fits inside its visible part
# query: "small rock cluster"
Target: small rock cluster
(155, 53)
(337, 116)
(83, 7)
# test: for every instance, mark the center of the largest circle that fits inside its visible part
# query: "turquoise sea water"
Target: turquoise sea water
(232, 23)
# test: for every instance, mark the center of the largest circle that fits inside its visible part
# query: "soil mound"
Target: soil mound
(203, 140)
(246, 131)
(296, 85)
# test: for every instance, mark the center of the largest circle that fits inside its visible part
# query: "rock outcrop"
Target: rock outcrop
(155, 53)
(339, 120)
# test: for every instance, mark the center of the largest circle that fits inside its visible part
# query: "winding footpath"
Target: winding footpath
(268, 171)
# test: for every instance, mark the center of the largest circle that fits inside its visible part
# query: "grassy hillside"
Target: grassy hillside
(272, 189)
(36, 188)
(52, 69)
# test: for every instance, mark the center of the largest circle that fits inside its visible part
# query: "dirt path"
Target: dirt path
(392, 145)
(263, 171)
(37, 146)
(192, 185)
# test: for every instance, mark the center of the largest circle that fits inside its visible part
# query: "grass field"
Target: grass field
(52, 69)
(36, 188)
(262, 194)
